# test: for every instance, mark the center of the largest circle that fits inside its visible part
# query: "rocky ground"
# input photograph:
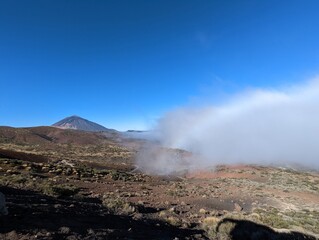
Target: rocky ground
(75, 192)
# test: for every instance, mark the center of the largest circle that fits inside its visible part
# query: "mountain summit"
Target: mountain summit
(78, 123)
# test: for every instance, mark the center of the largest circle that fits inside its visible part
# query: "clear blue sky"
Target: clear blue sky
(125, 63)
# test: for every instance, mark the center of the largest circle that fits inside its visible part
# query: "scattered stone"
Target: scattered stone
(172, 209)
(64, 230)
(199, 236)
(237, 207)
(72, 237)
(202, 211)
(12, 235)
(138, 216)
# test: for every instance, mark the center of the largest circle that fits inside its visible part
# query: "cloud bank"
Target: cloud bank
(279, 127)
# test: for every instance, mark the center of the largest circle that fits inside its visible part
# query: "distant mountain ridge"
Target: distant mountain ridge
(78, 123)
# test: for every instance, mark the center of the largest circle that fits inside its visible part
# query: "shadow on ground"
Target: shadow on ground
(32, 213)
(248, 230)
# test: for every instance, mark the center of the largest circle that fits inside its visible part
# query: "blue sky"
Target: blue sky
(125, 63)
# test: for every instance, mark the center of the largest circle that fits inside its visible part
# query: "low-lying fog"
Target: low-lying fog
(261, 126)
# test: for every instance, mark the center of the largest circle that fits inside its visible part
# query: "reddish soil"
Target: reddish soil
(113, 202)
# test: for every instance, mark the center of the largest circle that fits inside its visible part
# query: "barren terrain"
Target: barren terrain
(67, 184)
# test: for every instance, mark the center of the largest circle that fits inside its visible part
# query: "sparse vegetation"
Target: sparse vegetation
(119, 205)
(216, 203)
(60, 190)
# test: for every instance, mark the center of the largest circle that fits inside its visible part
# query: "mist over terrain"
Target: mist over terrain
(261, 126)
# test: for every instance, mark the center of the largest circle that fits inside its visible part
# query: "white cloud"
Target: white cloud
(257, 127)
